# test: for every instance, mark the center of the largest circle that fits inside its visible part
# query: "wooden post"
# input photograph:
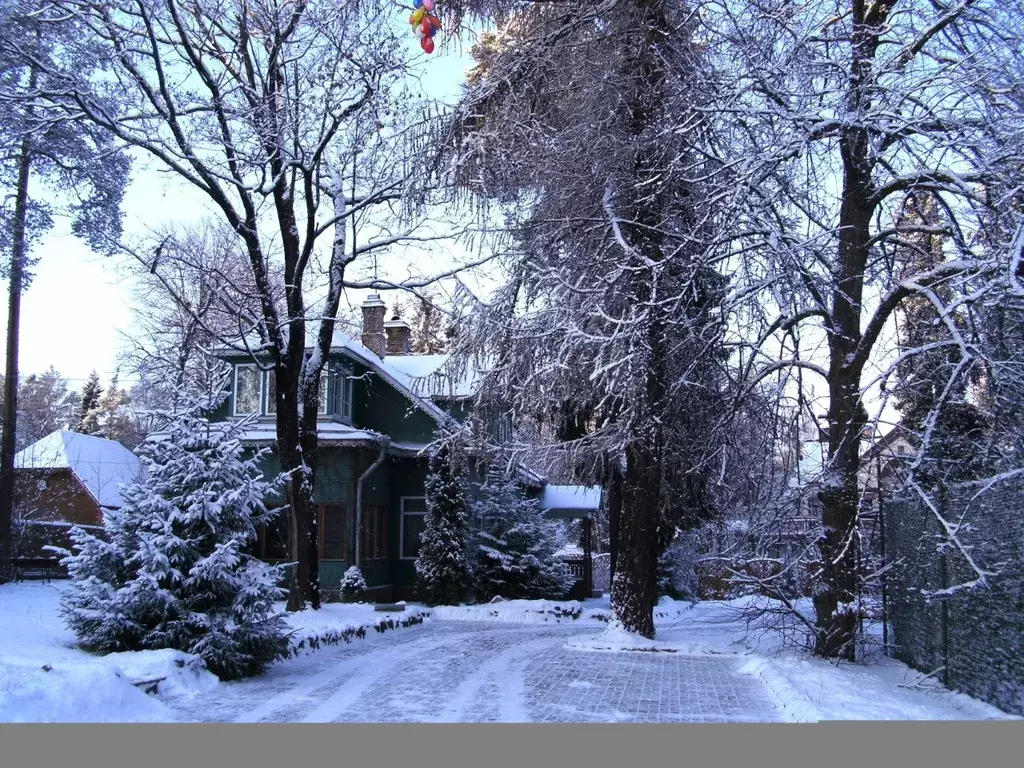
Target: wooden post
(588, 556)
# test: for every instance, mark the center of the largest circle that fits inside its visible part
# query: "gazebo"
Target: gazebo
(576, 502)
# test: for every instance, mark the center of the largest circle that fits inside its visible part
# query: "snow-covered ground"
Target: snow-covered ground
(506, 661)
(45, 678)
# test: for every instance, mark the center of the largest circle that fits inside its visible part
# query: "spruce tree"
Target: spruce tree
(88, 407)
(515, 548)
(442, 568)
(172, 569)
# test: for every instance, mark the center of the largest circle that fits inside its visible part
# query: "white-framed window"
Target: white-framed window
(248, 390)
(342, 392)
(323, 409)
(414, 515)
(270, 394)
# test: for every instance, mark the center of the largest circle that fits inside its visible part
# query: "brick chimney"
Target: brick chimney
(399, 335)
(374, 310)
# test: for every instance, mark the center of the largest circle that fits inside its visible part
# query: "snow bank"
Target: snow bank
(45, 678)
(337, 623)
(165, 671)
(514, 612)
(74, 693)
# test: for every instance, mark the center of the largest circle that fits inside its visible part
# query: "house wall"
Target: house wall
(65, 498)
(976, 634)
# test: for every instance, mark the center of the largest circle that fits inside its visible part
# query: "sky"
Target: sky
(80, 303)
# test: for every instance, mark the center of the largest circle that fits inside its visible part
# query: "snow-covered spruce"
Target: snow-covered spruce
(515, 548)
(171, 570)
(442, 569)
(353, 585)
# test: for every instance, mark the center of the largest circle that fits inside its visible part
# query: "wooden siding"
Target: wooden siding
(65, 498)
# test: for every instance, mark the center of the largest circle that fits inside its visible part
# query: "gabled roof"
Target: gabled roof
(101, 465)
(434, 376)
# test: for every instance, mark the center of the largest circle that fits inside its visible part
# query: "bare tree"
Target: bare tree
(841, 109)
(192, 288)
(285, 117)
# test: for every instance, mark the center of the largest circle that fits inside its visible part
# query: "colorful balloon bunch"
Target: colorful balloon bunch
(424, 23)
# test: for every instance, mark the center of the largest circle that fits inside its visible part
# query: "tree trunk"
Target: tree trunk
(10, 426)
(297, 448)
(614, 515)
(634, 590)
(836, 605)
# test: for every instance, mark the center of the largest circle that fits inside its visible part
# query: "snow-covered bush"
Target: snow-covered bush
(171, 570)
(442, 568)
(353, 585)
(677, 576)
(516, 545)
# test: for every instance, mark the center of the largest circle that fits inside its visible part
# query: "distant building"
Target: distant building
(67, 477)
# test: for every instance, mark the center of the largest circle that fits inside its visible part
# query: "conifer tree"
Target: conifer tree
(88, 407)
(442, 568)
(172, 569)
(515, 548)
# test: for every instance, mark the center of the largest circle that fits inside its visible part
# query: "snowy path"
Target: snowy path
(486, 672)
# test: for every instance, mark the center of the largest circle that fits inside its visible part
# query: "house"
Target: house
(63, 479)
(381, 407)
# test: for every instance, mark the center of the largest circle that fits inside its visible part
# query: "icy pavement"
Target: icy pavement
(480, 672)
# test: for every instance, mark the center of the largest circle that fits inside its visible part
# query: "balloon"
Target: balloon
(428, 4)
(426, 27)
(434, 22)
(417, 16)
(427, 45)
(417, 4)
(419, 33)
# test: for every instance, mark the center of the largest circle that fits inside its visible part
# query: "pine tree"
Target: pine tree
(515, 549)
(172, 570)
(88, 407)
(442, 567)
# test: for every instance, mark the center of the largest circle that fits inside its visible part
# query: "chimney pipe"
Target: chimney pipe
(399, 336)
(374, 310)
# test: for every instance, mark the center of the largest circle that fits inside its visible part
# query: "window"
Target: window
(247, 389)
(342, 392)
(333, 532)
(271, 379)
(414, 515)
(272, 542)
(323, 393)
(256, 391)
(375, 532)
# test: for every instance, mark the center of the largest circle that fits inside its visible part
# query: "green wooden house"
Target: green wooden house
(381, 407)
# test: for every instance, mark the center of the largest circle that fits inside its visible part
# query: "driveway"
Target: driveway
(485, 672)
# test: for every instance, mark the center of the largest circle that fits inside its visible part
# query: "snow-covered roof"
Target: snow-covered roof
(332, 433)
(342, 342)
(570, 551)
(571, 497)
(101, 465)
(434, 376)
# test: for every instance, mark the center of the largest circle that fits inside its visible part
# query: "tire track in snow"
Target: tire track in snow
(336, 677)
(510, 664)
(352, 686)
